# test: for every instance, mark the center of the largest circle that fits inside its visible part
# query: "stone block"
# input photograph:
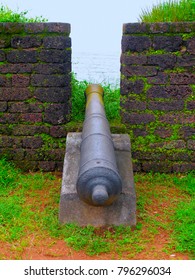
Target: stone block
(3, 106)
(35, 28)
(9, 118)
(73, 210)
(132, 28)
(176, 118)
(158, 27)
(135, 105)
(31, 117)
(54, 95)
(181, 27)
(56, 113)
(145, 71)
(128, 86)
(168, 145)
(145, 155)
(183, 167)
(167, 43)
(178, 156)
(47, 166)
(187, 131)
(5, 81)
(172, 91)
(191, 105)
(22, 56)
(32, 142)
(164, 61)
(133, 59)
(4, 43)
(58, 131)
(139, 132)
(136, 118)
(19, 80)
(163, 132)
(13, 27)
(166, 106)
(2, 54)
(191, 46)
(51, 68)
(191, 144)
(26, 42)
(163, 166)
(135, 43)
(54, 56)
(56, 42)
(58, 27)
(39, 80)
(185, 61)
(16, 68)
(160, 79)
(182, 78)
(18, 107)
(10, 142)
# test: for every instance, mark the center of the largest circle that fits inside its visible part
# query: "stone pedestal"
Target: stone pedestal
(73, 210)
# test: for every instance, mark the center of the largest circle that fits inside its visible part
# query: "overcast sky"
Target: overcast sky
(96, 25)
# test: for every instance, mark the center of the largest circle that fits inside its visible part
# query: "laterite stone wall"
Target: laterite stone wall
(158, 94)
(35, 66)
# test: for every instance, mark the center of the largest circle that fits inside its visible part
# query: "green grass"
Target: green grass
(8, 177)
(7, 15)
(29, 206)
(111, 100)
(184, 217)
(170, 11)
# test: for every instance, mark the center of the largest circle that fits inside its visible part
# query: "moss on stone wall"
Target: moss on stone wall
(157, 95)
(35, 89)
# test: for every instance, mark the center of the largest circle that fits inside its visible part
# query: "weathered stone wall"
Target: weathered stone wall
(35, 66)
(158, 94)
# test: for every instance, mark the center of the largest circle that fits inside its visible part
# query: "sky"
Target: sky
(96, 26)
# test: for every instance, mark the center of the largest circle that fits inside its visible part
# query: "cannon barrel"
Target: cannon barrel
(98, 182)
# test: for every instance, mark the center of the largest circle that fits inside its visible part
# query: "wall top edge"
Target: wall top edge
(159, 27)
(35, 27)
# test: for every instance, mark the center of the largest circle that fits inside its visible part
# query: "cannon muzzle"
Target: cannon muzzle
(98, 182)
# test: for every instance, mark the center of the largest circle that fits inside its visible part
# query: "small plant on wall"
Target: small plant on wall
(170, 11)
(7, 15)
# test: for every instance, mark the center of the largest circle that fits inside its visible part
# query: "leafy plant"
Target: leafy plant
(7, 15)
(170, 11)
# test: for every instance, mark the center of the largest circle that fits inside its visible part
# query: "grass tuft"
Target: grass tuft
(169, 11)
(8, 176)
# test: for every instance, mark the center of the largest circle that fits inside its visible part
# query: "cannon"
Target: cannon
(98, 182)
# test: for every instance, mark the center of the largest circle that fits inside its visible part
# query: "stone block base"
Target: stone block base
(73, 210)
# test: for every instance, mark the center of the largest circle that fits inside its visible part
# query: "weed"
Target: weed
(7, 15)
(8, 176)
(170, 11)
